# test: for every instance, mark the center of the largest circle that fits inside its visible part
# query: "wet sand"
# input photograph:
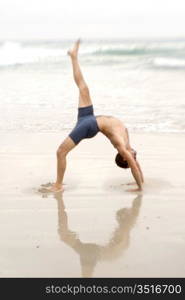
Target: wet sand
(95, 228)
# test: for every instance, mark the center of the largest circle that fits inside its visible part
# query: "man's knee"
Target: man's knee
(84, 90)
(65, 147)
(61, 151)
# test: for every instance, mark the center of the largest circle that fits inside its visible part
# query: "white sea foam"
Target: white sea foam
(12, 53)
(169, 62)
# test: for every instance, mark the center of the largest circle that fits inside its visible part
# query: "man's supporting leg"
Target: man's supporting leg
(84, 96)
(62, 152)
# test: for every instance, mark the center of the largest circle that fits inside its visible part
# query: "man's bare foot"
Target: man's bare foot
(55, 188)
(74, 51)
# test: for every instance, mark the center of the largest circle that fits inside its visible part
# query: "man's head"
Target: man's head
(121, 162)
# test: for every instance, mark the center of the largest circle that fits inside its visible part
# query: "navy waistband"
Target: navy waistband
(85, 111)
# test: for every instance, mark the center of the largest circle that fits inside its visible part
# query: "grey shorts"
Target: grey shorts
(86, 126)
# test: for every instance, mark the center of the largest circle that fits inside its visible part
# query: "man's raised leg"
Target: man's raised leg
(84, 95)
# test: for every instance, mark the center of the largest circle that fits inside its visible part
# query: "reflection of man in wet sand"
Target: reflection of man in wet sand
(89, 125)
(91, 253)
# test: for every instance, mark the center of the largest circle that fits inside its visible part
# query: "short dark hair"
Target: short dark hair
(121, 162)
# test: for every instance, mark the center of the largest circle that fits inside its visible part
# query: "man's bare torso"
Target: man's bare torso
(113, 129)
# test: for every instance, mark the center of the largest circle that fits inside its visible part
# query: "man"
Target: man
(89, 125)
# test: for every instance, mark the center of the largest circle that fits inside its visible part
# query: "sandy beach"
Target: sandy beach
(96, 228)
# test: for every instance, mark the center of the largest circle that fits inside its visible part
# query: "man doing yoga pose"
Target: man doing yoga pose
(88, 125)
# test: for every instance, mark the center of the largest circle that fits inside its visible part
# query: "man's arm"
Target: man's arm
(138, 165)
(128, 139)
(133, 165)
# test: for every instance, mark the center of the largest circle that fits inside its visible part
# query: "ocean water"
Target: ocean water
(141, 82)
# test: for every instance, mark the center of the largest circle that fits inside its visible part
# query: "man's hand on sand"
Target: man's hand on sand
(134, 190)
(73, 52)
